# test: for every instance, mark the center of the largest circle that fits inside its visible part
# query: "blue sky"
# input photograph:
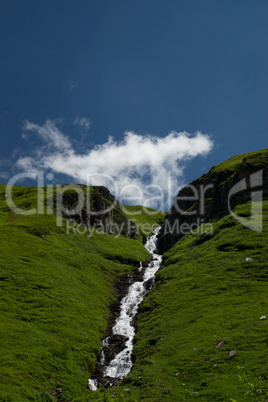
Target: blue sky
(74, 74)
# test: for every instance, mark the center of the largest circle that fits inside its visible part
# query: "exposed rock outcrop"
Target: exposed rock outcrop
(207, 197)
(100, 210)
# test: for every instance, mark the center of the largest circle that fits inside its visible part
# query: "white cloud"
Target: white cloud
(83, 122)
(155, 165)
(51, 135)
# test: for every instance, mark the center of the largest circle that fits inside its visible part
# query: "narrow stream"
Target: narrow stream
(121, 365)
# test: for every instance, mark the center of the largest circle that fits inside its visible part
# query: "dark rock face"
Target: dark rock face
(149, 284)
(121, 287)
(207, 197)
(107, 382)
(116, 343)
(101, 211)
(108, 353)
(145, 263)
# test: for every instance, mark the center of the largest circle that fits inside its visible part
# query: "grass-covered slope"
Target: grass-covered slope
(258, 159)
(54, 298)
(202, 333)
(145, 219)
(207, 291)
(207, 197)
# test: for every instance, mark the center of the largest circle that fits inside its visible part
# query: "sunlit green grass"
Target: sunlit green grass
(54, 298)
(56, 290)
(206, 292)
(256, 158)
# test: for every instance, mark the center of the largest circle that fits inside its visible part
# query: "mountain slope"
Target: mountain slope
(56, 289)
(207, 197)
(206, 292)
(202, 331)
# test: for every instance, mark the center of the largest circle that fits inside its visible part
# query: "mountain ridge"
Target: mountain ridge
(209, 194)
(200, 333)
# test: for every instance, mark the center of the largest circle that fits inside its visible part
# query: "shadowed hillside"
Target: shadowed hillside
(207, 197)
(202, 331)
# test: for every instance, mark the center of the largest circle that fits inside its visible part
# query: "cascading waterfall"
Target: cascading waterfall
(121, 365)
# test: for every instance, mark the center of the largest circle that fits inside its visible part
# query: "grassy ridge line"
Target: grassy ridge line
(54, 298)
(257, 158)
(208, 196)
(206, 292)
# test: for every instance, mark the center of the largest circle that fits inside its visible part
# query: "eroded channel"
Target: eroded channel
(123, 331)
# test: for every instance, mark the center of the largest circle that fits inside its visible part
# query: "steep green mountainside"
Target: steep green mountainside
(208, 196)
(55, 294)
(206, 292)
(202, 333)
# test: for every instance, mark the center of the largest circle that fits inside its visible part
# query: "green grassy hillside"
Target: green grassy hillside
(207, 197)
(256, 158)
(206, 292)
(202, 333)
(54, 298)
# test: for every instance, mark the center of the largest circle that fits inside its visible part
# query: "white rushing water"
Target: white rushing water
(121, 365)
